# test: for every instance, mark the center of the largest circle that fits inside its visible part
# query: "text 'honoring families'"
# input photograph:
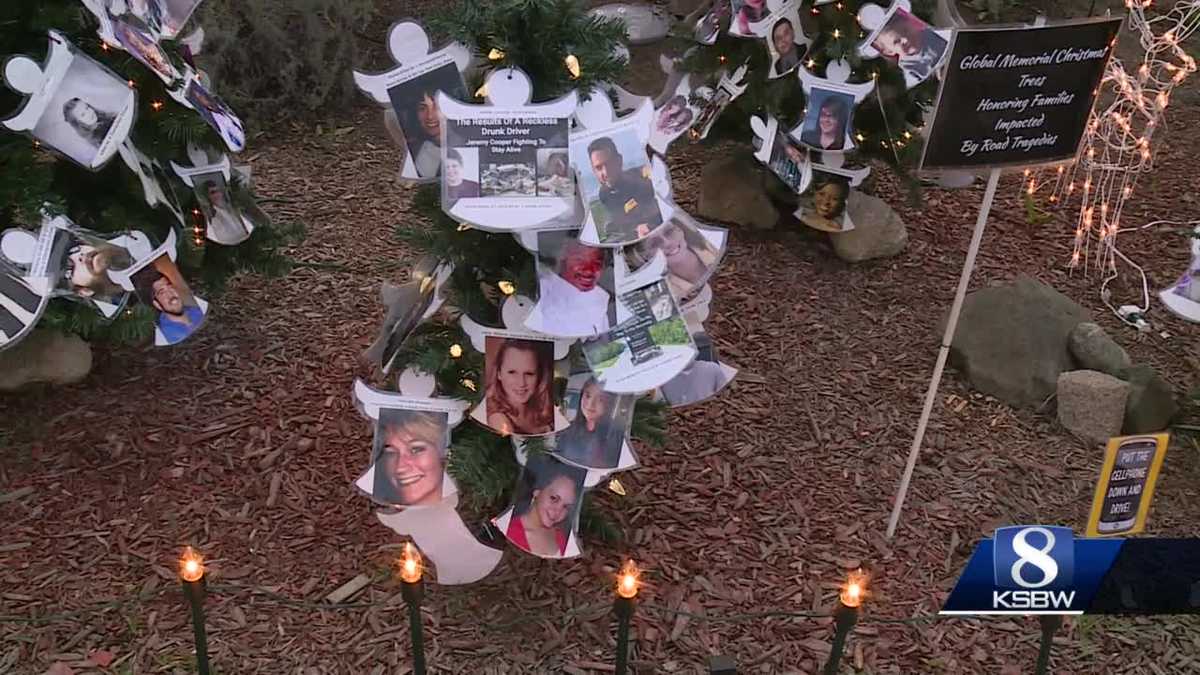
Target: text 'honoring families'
(1018, 96)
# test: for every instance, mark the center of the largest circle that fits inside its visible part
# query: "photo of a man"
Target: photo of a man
(617, 190)
(159, 285)
(783, 47)
(575, 291)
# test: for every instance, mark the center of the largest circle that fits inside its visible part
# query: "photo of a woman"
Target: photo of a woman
(409, 456)
(828, 212)
(675, 116)
(519, 397)
(415, 103)
(827, 119)
(91, 124)
(597, 432)
(548, 499)
(691, 257)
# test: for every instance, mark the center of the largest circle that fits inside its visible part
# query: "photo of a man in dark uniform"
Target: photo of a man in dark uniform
(627, 195)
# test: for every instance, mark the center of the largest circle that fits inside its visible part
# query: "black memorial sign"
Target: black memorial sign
(1018, 96)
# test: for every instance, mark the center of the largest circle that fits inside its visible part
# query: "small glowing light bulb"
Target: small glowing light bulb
(455, 351)
(627, 580)
(506, 287)
(572, 63)
(191, 565)
(495, 54)
(410, 564)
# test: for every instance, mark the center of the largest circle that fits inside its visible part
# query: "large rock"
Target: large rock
(1093, 349)
(45, 356)
(732, 190)
(1091, 404)
(1151, 403)
(1011, 341)
(878, 230)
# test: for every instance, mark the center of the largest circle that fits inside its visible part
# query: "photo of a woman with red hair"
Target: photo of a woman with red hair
(519, 396)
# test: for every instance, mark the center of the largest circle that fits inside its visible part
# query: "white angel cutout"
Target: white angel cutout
(544, 517)
(828, 122)
(66, 261)
(73, 104)
(729, 87)
(153, 179)
(781, 154)
(227, 225)
(650, 344)
(160, 285)
(411, 89)
(411, 446)
(614, 173)
(786, 42)
(1183, 298)
(495, 156)
(676, 114)
(902, 38)
(706, 376)
(824, 207)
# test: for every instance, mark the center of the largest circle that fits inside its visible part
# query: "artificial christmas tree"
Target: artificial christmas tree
(134, 192)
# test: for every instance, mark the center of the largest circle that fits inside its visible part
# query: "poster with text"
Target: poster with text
(1018, 96)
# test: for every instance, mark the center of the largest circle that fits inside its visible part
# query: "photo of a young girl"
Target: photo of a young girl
(599, 424)
(827, 119)
(409, 456)
(519, 393)
(546, 507)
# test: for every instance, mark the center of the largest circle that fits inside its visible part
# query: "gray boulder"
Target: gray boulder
(1091, 404)
(733, 190)
(878, 230)
(45, 356)
(1011, 341)
(1151, 403)
(1095, 350)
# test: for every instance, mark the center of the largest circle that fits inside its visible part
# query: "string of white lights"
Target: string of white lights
(1117, 146)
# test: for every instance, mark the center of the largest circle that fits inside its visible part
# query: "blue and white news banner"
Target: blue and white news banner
(1042, 569)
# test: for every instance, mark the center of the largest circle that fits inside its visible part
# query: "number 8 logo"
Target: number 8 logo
(1027, 554)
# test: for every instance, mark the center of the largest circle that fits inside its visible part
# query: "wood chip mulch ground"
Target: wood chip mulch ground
(244, 442)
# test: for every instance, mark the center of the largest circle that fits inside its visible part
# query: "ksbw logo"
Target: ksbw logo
(1034, 569)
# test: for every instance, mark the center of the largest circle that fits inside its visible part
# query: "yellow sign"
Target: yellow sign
(1126, 486)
